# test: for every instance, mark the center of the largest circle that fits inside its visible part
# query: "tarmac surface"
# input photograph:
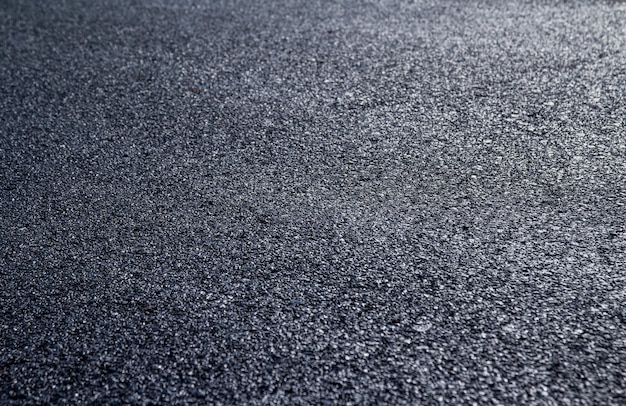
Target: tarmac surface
(303, 202)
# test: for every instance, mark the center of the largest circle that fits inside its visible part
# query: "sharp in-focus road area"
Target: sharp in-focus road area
(313, 202)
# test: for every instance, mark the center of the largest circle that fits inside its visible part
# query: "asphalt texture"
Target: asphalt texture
(301, 202)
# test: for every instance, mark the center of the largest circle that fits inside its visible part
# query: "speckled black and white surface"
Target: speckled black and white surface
(303, 202)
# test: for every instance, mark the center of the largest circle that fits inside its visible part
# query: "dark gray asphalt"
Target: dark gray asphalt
(300, 202)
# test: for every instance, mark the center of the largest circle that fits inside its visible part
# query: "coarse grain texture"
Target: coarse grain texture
(301, 202)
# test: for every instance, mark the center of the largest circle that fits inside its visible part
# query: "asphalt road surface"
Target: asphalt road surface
(306, 202)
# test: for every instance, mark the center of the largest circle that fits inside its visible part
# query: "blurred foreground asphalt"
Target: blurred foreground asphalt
(302, 202)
